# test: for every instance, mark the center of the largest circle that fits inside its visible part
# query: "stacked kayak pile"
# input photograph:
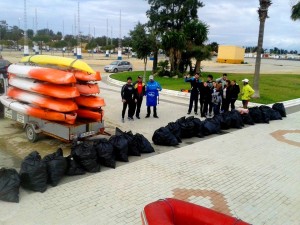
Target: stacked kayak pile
(54, 88)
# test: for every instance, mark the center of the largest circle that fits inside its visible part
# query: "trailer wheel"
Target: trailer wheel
(32, 136)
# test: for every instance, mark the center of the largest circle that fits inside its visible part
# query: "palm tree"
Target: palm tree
(263, 15)
(296, 12)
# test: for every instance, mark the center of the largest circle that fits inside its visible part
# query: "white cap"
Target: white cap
(245, 80)
(151, 77)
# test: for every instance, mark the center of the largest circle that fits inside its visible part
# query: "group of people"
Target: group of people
(132, 97)
(216, 95)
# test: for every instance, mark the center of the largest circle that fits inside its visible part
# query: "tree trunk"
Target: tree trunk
(258, 58)
(145, 67)
(155, 60)
(197, 66)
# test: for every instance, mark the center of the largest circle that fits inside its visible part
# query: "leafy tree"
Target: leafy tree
(263, 15)
(168, 18)
(141, 44)
(92, 44)
(214, 46)
(196, 33)
(295, 12)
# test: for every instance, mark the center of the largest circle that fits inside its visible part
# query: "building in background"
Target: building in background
(230, 54)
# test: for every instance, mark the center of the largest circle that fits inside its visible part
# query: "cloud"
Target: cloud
(230, 21)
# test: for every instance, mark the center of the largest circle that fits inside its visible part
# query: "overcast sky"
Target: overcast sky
(231, 22)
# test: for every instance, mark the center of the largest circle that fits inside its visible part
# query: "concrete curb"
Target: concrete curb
(287, 104)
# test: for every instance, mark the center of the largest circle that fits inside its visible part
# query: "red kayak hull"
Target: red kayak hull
(89, 114)
(176, 212)
(90, 101)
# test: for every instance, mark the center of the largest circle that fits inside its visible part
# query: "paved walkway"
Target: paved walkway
(251, 173)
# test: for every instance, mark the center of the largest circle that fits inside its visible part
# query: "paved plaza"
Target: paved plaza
(251, 173)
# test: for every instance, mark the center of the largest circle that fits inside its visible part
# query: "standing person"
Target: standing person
(226, 96)
(222, 80)
(247, 93)
(152, 89)
(205, 98)
(211, 87)
(234, 90)
(195, 85)
(216, 98)
(139, 90)
(127, 94)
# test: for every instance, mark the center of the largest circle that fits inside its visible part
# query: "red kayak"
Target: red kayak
(88, 88)
(43, 74)
(90, 101)
(171, 211)
(54, 90)
(38, 112)
(84, 76)
(56, 104)
(90, 114)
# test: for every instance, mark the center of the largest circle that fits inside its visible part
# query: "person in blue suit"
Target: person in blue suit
(152, 93)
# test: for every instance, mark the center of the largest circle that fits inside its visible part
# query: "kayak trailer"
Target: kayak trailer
(65, 132)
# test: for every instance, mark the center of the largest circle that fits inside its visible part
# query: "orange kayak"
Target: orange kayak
(38, 112)
(84, 76)
(58, 91)
(60, 105)
(89, 114)
(43, 74)
(90, 101)
(88, 89)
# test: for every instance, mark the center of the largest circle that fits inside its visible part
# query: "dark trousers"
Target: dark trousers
(149, 111)
(201, 105)
(210, 107)
(138, 105)
(232, 102)
(193, 100)
(225, 105)
(216, 108)
(204, 109)
(245, 104)
(131, 108)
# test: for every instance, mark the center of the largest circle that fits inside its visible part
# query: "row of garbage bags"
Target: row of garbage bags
(87, 156)
(174, 132)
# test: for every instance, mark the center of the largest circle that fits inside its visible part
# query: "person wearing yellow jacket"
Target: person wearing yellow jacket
(247, 93)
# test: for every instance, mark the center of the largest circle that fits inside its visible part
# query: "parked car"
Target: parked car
(118, 66)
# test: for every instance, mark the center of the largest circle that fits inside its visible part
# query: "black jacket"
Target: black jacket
(136, 93)
(127, 92)
(205, 93)
(234, 91)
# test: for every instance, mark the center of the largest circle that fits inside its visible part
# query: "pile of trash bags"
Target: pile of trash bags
(188, 127)
(37, 173)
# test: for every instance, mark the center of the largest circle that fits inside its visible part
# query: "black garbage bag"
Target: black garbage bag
(105, 151)
(256, 114)
(275, 115)
(86, 156)
(56, 167)
(73, 168)
(236, 120)
(280, 108)
(133, 148)
(144, 146)
(33, 173)
(186, 127)
(266, 113)
(163, 136)
(247, 119)
(120, 145)
(175, 130)
(224, 119)
(198, 128)
(9, 185)
(211, 126)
